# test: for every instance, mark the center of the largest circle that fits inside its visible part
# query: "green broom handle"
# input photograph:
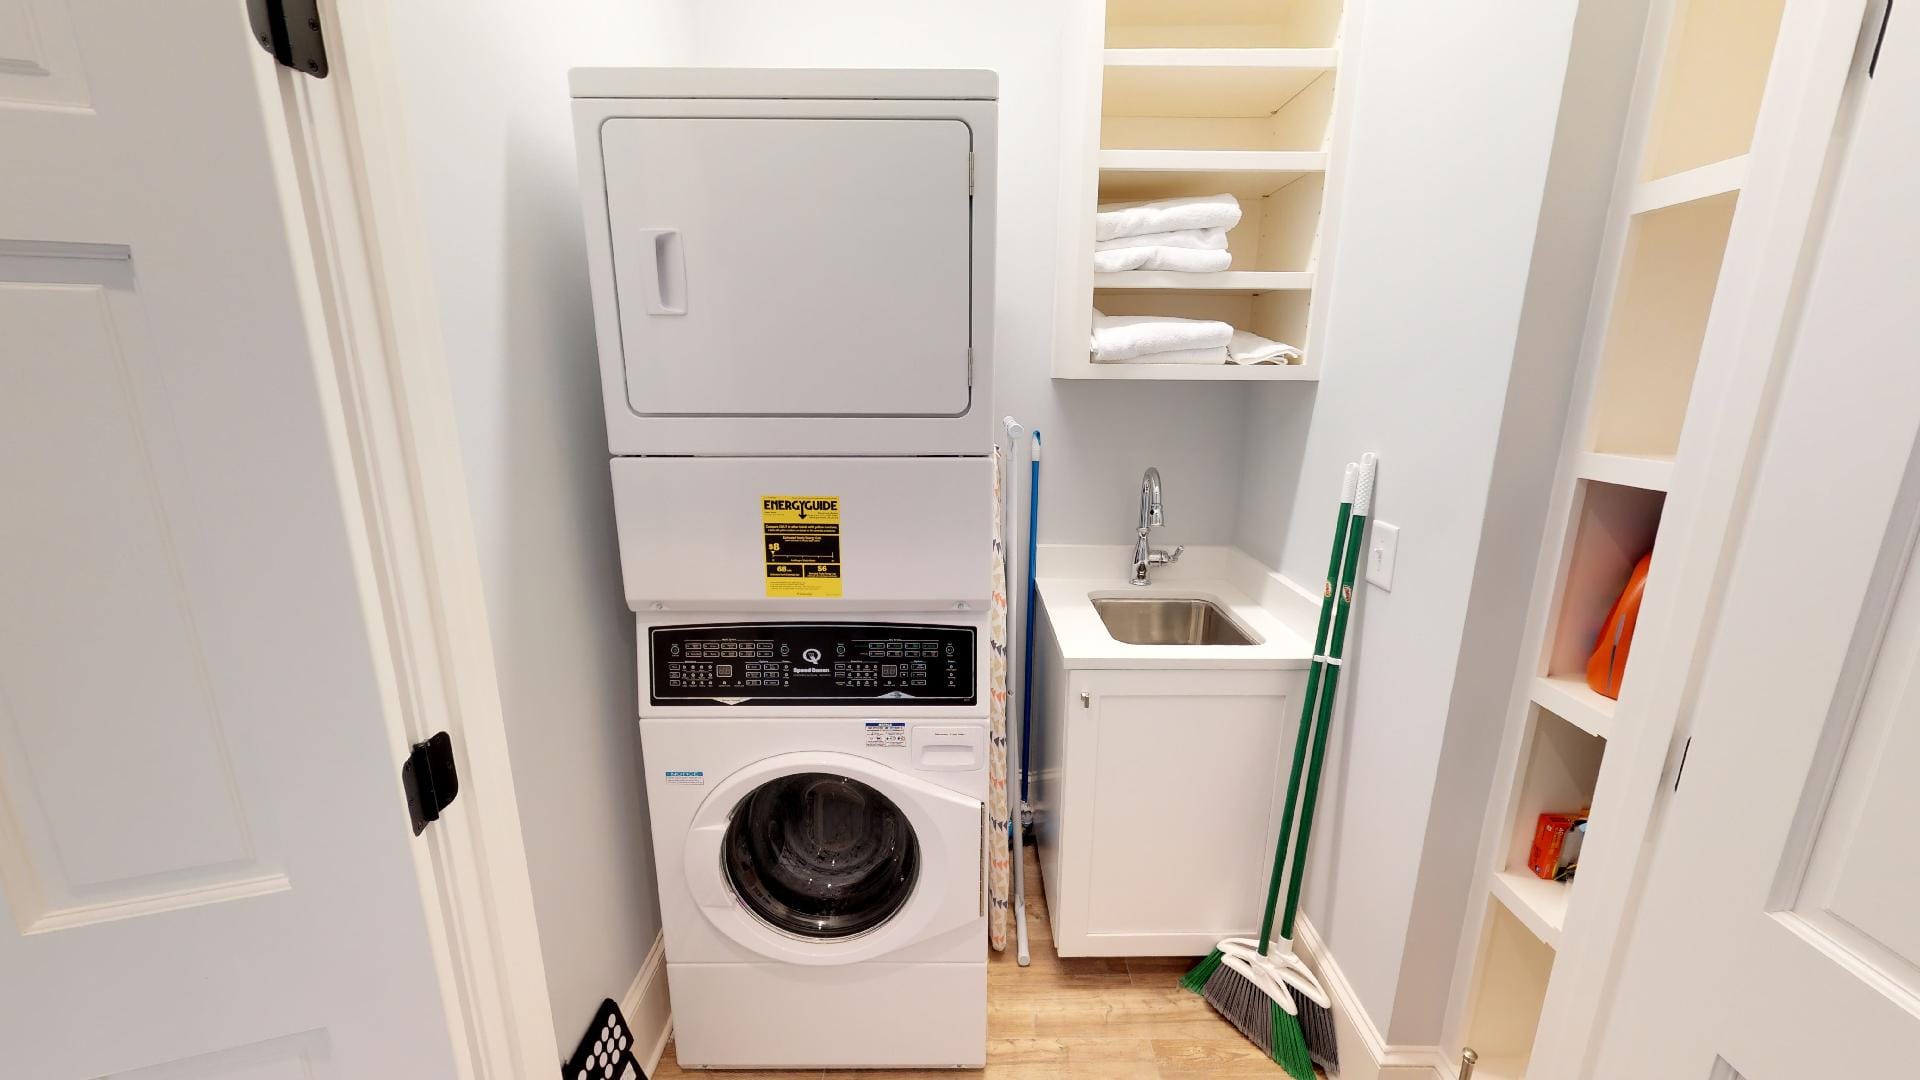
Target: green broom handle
(1362, 502)
(1347, 488)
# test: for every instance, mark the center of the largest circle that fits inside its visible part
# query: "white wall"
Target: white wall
(487, 110)
(1457, 302)
(1099, 437)
(1446, 183)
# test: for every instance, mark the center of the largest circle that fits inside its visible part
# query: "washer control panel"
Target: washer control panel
(812, 663)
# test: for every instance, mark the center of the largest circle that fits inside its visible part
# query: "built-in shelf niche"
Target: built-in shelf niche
(1279, 213)
(1614, 526)
(1216, 99)
(1221, 24)
(1711, 81)
(1514, 967)
(1664, 294)
(1561, 767)
(1280, 315)
(1203, 97)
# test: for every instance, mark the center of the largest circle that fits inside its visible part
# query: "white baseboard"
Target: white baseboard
(648, 1010)
(1365, 1054)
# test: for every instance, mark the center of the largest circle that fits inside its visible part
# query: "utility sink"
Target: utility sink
(1164, 620)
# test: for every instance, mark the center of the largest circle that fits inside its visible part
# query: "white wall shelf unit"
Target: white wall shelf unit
(1170, 98)
(1719, 181)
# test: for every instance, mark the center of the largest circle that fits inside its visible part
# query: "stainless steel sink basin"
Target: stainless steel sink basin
(1160, 620)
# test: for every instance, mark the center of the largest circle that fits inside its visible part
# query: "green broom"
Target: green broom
(1319, 1034)
(1274, 1000)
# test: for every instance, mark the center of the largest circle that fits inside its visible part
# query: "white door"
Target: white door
(804, 267)
(206, 867)
(1780, 932)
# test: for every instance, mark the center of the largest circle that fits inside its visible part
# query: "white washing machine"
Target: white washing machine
(818, 794)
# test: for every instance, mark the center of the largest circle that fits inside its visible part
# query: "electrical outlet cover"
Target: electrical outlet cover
(1381, 549)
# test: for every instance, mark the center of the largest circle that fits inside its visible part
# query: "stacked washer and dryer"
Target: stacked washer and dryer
(793, 292)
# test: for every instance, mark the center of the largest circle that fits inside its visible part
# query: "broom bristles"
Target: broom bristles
(1196, 980)
(1289, 1044)
(1260, 1018)
(1316, 1027)
(1296, 1042)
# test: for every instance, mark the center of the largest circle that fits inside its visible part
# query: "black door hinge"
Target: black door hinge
(290, 30)
(430, 780)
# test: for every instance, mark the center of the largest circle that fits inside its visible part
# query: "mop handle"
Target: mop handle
(1362, 503)
(1348, 486)
(1026, 674)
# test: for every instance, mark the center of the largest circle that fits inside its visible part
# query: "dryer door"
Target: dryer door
(792, 267)
(825, 858)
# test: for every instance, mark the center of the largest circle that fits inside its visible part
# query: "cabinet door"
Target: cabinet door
(792, 267)
(1184, 784)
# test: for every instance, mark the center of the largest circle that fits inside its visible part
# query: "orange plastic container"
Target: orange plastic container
(1608, 665)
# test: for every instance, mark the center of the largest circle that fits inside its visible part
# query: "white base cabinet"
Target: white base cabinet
(1156, 798)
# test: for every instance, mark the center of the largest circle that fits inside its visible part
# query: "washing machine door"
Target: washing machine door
(826, 858)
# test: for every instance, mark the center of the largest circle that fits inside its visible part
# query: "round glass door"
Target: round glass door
(820, 856)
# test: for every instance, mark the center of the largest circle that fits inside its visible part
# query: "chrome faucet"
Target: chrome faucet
(1145, 555)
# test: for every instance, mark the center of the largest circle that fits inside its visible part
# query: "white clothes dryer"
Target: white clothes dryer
(791, 262)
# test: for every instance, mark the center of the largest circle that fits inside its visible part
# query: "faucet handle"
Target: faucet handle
(1162, 558)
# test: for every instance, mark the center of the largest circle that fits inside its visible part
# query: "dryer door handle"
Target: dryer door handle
(663, 265)
(705, 878)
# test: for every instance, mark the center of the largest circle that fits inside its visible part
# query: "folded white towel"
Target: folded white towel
(1166, 215)
(1201, 239)
(1246, 348)
(1184, 260)
(1177, 356)
(1123, 337)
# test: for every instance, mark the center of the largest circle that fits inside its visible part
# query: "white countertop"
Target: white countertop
(1071, 577)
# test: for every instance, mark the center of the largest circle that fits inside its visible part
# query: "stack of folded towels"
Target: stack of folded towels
(1163, 339)
(1188, 235)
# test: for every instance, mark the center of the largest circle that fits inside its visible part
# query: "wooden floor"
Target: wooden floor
(1085, 1017)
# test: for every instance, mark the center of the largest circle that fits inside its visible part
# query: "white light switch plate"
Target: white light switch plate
(1381, 548)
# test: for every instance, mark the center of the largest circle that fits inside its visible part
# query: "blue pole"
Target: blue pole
(1026, 678)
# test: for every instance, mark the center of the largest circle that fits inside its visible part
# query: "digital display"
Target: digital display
(812, 663)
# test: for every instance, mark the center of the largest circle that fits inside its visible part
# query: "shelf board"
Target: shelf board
(1311, 59)
(1221, 23)
(1570, 698)
(1202, 372)
(1541, 906)
(1704, 182)
(1239, 282)
(1160, 174)
(1208, 82)
(1652, 472)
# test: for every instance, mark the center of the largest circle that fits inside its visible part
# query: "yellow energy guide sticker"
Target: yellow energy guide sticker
(802, 544)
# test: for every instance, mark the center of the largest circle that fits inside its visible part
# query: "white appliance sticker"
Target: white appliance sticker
(886, 733)
(697, 777)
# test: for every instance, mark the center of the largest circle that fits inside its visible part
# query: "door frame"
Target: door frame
(341, 161)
